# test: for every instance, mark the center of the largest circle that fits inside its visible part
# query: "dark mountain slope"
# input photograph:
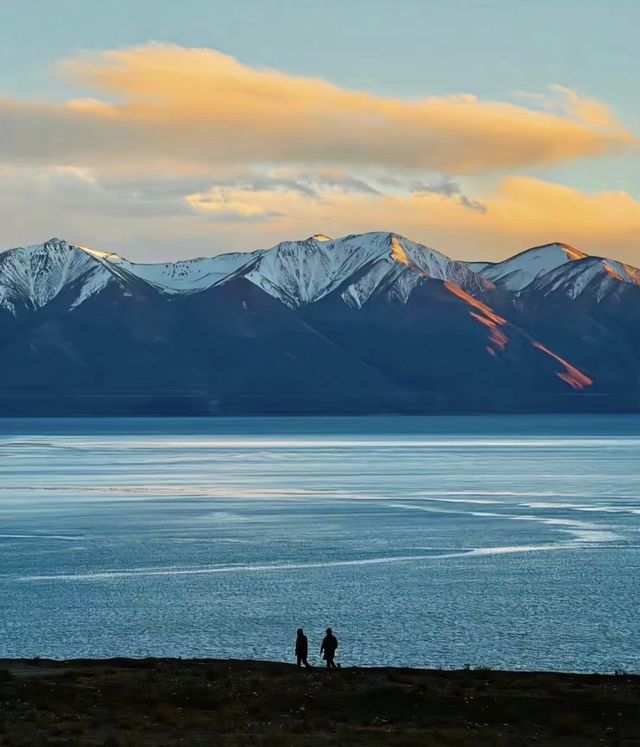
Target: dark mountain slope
(451, 351)
(230, 348)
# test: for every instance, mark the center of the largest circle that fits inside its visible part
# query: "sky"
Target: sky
(164, 130)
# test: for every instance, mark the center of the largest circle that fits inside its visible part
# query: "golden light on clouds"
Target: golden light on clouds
(520, 212)
(256, 155)
(195, 107)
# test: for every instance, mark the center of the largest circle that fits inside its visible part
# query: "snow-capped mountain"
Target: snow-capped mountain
(364, 323)
(519, 271)
(592, 275)
(183, 276)
(299, 273)
(558, 268)
(32, 276)
(295, 272)
(302, 272)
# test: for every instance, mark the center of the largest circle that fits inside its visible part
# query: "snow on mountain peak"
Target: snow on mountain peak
(98, 254)
(189, 275)
(357, 266)
(302, 272)
(558, 268)
(295, 272)
(621, 272)
(398, 253)
(32, 276)
(519, 271)
(593, 275)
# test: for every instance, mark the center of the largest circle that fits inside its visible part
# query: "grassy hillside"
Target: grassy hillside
(122, 703)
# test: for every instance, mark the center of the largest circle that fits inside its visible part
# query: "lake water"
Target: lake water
(500, 541)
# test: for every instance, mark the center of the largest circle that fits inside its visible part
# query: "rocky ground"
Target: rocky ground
(134, 703)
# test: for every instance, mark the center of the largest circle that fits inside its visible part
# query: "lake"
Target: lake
(508, 542)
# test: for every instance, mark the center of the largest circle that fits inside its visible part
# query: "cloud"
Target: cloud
(175, 152)
(311, 183)
(567, 102)
(287, 193)
(530, 211)
(149, 220)
(168, 109)
(228, 203)
(449, 188)
(523, 212)
(146, 220)
(520, 212)
(283, 193)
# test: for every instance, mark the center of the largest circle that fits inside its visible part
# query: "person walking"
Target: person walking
(302, 648)
(329, 648)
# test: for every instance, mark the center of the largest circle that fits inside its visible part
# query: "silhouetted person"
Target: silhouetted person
(302, 648)
(329, 648)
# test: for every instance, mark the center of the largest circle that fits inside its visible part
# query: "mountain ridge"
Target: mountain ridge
(300, 272)
(362, 323)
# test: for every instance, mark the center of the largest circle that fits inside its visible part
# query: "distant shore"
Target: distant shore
(127, 702)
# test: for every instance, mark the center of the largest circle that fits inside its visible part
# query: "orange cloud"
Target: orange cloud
(520, 212)
(533, 211)
(183, 109)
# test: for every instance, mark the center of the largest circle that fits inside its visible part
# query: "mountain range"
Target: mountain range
(361, 324)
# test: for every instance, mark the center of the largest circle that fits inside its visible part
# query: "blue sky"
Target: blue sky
(487, 47)
(406, 50)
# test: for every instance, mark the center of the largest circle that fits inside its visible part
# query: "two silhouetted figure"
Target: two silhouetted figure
(327, 649)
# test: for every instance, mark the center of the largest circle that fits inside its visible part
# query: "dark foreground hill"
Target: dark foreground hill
(204, 702)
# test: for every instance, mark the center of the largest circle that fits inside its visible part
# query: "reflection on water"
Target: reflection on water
(509, 542)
